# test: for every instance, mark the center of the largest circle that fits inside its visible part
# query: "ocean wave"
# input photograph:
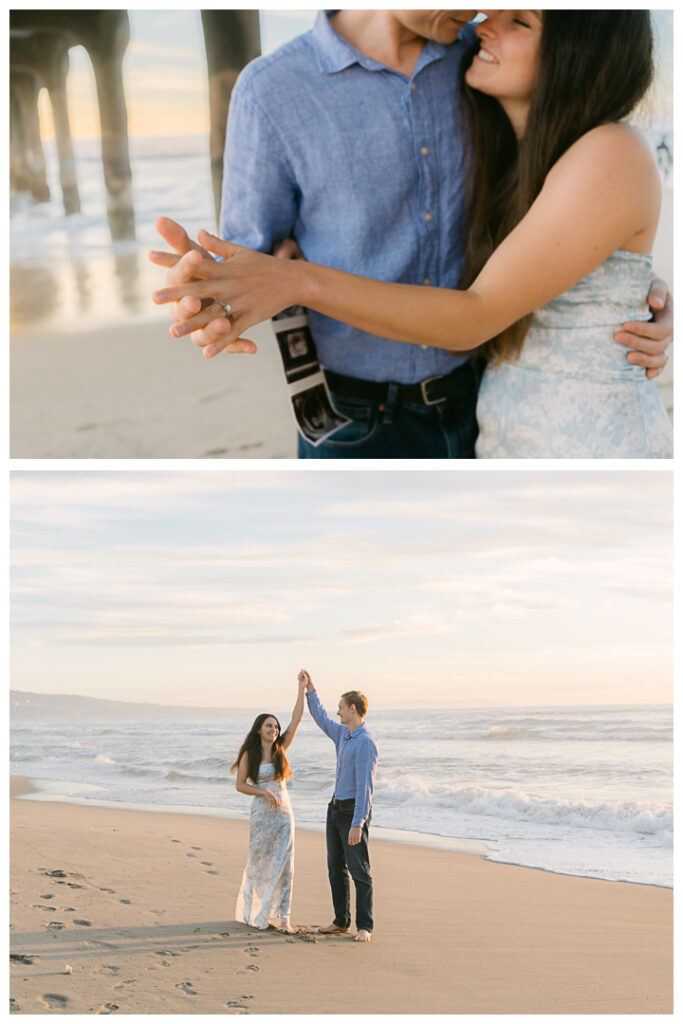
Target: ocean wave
(517, 806)
(587, 733)
(173, 774)
(206, 762)
(103, 759)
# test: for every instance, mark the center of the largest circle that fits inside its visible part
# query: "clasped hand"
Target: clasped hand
(255, 287)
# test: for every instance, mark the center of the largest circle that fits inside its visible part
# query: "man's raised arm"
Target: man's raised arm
(318, 713)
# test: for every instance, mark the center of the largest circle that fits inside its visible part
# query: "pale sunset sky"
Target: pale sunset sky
(424, 588)
(165, 72)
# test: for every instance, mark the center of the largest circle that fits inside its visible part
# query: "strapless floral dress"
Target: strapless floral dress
(265, 896)
(572, 394)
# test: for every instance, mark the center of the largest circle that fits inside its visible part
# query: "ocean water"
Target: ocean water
(580, 791)
(73, 261)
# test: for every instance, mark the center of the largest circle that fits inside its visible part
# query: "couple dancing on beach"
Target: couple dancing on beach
(484, 179)
(265, 896)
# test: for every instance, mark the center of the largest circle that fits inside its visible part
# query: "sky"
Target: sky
(422, 588)
(165, 81)
(165, 72)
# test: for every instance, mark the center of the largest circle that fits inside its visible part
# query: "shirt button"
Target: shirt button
(412, 86)
(428, 217)
(424, 347)
(425, 151)
(427, 280)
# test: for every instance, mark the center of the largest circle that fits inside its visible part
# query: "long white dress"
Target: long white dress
(265, 896)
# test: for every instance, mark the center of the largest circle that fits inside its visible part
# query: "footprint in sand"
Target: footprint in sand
(252, 950)
(186, 987)
(108, 1008)
(74, 885)
(86, 924)
(47, 896)
(212, 872)
(21, 958)
(190, 854)
(54, 1002)
(207, 863)
(253, 967)
(102, 889)
(175, 840)
(109, 969)
(55, 926)
(39, 906)
(166, 952)
(196, 847)
(124, 901)
(59, 873)
(13, 1006)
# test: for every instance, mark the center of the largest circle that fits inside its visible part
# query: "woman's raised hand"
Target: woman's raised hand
(304, 679)
(272, 798)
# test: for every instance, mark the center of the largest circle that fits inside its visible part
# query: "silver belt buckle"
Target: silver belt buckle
(423, 391)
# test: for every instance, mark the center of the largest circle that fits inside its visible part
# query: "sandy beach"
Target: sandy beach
(140, 906)
(131, 391)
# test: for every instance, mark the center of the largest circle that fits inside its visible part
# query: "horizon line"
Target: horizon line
(403, 707)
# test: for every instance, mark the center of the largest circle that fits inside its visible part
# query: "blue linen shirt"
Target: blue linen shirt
(356, 760)
(364, 167)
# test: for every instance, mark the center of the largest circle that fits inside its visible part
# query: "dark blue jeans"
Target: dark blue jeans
(402, 431)
(344, 860)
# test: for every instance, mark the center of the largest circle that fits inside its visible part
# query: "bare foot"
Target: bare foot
(362, 936)
(332, 929)
(287, 927)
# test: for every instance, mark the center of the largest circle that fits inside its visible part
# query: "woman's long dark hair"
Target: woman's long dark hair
(254, 751)
(594, 67)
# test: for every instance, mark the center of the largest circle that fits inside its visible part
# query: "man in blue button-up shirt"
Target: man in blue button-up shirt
(347, 139)
(350, 809)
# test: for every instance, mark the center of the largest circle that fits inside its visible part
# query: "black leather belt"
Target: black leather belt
(346, 805)
(432, 391)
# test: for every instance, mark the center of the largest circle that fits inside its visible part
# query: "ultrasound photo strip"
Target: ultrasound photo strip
(316, 417)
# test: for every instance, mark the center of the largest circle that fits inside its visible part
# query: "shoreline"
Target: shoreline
(38, 790)
(140, 906)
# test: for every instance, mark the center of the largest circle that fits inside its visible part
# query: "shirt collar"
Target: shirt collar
(361, 728)
(336, 54)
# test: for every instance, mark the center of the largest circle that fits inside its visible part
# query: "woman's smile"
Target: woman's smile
(486, 56)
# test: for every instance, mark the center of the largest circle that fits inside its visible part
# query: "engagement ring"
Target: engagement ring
(225, 306)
